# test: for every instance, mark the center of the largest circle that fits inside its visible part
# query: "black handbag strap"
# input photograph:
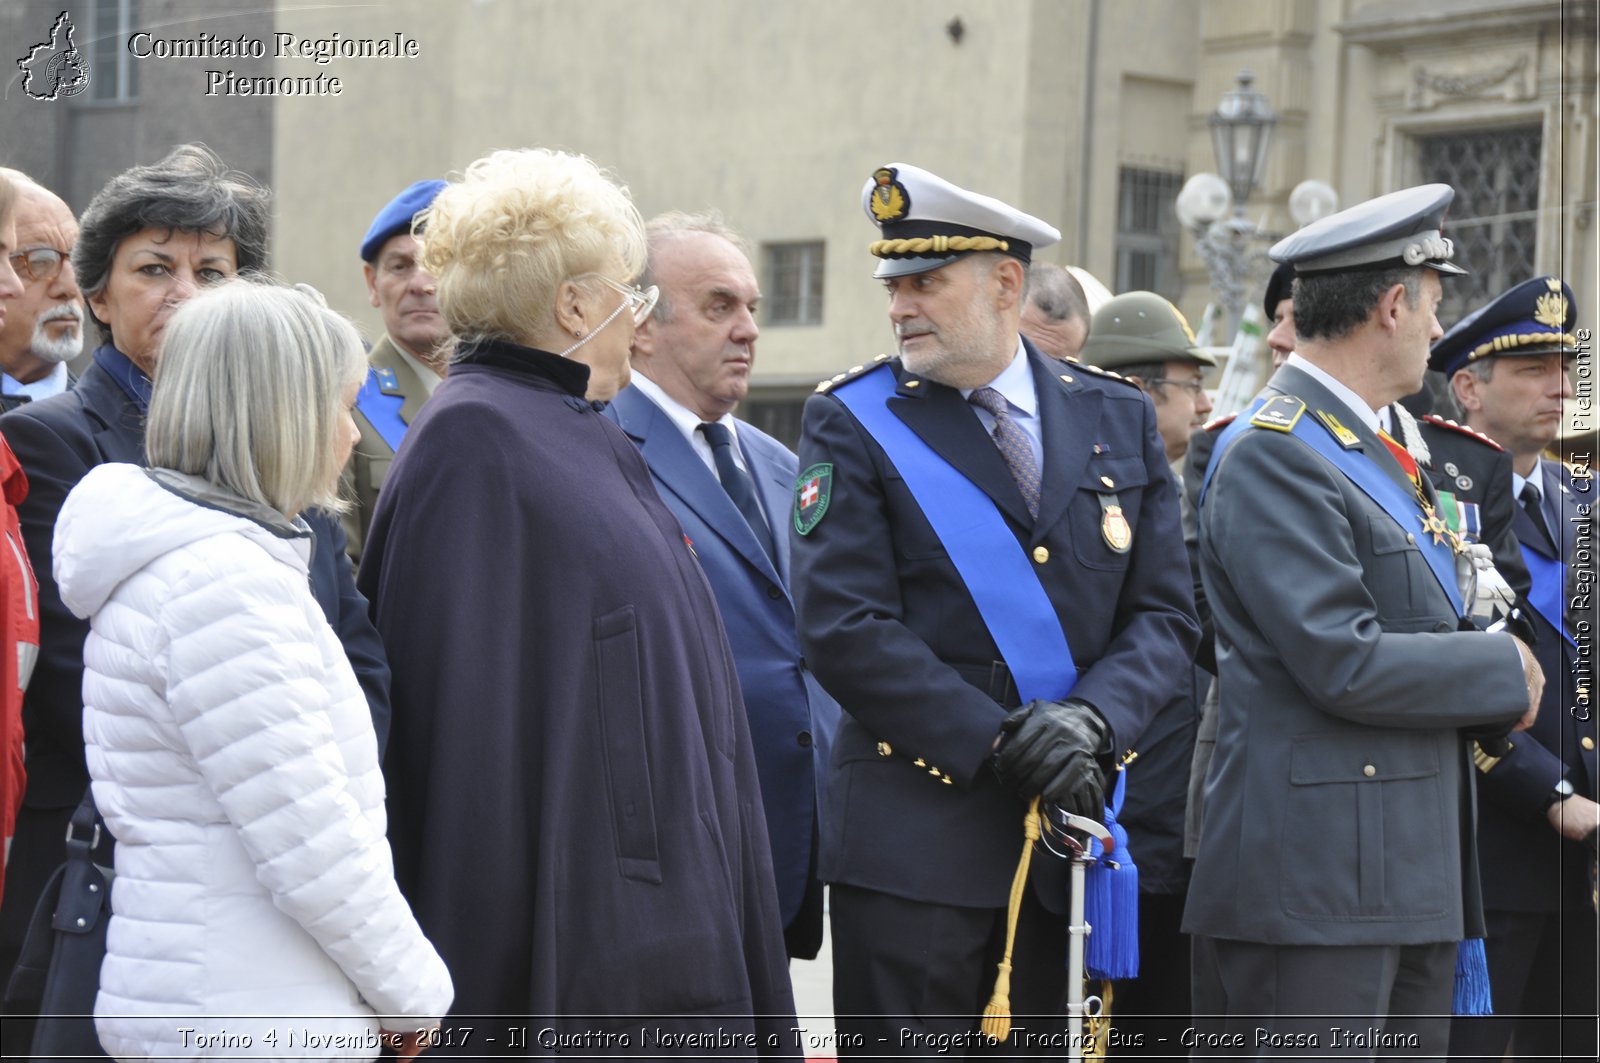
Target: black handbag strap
(85, 894)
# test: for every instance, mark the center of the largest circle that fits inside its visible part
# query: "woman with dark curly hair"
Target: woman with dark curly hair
(149, 240)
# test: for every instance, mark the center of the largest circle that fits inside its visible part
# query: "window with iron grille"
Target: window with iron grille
(792, 291)
(1494, 219)
(776, 411)
(113, 72)
(1147, 231)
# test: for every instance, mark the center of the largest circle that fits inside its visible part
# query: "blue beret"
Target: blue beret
(1399, 229)
(927, 222)
(1535, 317)
(396, 216)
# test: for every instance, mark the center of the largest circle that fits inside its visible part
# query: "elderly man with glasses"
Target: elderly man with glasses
(43, 328)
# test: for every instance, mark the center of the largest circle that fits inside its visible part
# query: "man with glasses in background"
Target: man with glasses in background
(1143, 337)
(43, 328)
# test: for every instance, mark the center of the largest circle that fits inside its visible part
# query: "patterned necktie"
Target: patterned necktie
(738, 484)
(1014, 446)
(1532, 505)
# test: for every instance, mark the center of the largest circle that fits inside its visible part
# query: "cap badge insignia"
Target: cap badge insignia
(813, 491)
(889, 199)
(1551, 309)
(1114, 527)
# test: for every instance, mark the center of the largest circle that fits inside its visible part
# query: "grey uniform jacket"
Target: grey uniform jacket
(1339, 804)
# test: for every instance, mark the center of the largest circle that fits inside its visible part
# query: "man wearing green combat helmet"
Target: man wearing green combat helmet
(1146, 339)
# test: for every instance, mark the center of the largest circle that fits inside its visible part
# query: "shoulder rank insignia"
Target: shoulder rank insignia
(812, 492)
(1279, 414)
(1347, 439)
(850, 374)
(388, 382)
(890, 200)
(1107, 374)
(1220, 423)
(1443, 422)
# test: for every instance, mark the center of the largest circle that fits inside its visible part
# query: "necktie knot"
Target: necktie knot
(991, 400)
(1529, 495)
(716, 434)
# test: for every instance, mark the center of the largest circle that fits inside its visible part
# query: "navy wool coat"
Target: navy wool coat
(573, 802)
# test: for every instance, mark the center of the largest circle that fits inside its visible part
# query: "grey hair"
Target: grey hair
(1329, 306)
(8, 194)
(1483, 369)
(1057, 293)
(249, 394)
(674, 224)
(189, 191)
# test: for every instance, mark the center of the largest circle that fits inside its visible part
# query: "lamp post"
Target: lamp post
(1241, 133)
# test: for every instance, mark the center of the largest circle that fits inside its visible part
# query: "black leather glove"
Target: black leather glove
(1051, 748)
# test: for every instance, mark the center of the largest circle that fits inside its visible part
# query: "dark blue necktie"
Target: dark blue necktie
(1532, 504)
(738, 484)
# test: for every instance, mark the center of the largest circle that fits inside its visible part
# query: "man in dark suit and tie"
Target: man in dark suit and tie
(1509, 366)
(990, 579)
(730, 484)
(1336, 873)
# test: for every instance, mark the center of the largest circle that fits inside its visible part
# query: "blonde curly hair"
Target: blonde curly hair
(502, 238)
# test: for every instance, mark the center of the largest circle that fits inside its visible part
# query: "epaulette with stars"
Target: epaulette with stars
(1444, 422)
(850, 374)
(1106, 374)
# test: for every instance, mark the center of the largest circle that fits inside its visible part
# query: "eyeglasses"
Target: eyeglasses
(641, 300)
(1194, 387)
(39, 263)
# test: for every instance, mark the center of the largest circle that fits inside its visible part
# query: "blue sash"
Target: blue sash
(381, 411)
(997, 572)
(1366, 474)
(1548, 591)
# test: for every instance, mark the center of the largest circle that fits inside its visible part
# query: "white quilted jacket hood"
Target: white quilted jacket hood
(233, 757)
(149, 520)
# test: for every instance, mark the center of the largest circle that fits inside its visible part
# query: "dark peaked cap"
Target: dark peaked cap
(1399, 229)
(1535, 317)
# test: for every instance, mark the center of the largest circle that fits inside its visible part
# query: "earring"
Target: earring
(577, 333)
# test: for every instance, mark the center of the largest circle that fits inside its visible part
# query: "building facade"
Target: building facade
(1088, 113)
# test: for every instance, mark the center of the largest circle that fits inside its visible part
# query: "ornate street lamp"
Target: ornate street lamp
(1241, 132)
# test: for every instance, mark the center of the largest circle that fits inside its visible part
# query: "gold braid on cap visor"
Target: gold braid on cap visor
(1501, 344)
(938, 245)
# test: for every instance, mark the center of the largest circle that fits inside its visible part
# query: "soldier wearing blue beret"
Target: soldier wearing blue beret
(989, 578)
(1336, 872)
(1509, 364)
(407, 363)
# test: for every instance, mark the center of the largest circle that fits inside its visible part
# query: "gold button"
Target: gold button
(1108, 481)
(912, 383)
(1412, 539)
(1066, 378)
(1588, 743)
(884, 750)
(1041, 554)
(1369, 771)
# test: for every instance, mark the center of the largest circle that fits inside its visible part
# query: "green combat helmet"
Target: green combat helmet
(1137, 328)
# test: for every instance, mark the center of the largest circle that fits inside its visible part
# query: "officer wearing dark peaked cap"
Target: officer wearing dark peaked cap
(1508, 367)
(1336, 871)
(988, 578)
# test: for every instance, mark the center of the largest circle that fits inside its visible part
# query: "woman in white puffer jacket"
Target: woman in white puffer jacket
(254, 911)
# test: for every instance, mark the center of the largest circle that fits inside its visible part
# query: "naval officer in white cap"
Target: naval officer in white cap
(990, 578)
(1336, 875)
